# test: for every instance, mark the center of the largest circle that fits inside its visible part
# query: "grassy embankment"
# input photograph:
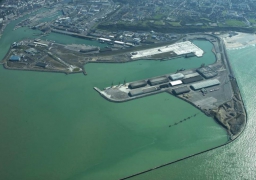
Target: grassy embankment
(173, 27)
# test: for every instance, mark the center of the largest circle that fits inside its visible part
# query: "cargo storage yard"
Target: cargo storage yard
(181, 48)
(212, 89)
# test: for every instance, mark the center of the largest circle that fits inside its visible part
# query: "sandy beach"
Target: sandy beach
(238, 41)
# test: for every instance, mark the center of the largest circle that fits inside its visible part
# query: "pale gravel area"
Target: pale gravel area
(124, 89)
(178, 48)
(105, 94)
(239, 41)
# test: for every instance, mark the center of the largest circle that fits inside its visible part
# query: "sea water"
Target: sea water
(55, 126)
(237, 159)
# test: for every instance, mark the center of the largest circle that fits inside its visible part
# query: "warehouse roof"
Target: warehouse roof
(192, 79)
(191, 75)
(207, 72)
(31, 50)
(136, 92)
(158, 80)
(14, 58)
(137, 84)
(163, 78)
(176, 76)
(41, 64)
(181, 90)
(205, 84)
(174, 83)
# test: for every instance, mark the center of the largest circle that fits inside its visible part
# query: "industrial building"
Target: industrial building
(40, 44)
(207, 72)
(40, 64)
(137, 84)
(205, 84)
(31, 51)
(14, 58)
(164, 85)
(180, 90)
(104, 39)
(136, 92)
(175, 83)
(176, 76)
(192, 79)
(191, 75)
(119, 42)
(150, 89)
(141, 91)
(158, 80)
(89, 50)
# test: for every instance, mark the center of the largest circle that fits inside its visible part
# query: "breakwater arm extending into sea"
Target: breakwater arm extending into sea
(224, 103)
(240, 120)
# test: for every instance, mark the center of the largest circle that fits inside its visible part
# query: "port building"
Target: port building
(104, 39)
(166, 85)
(191, 75)
(31, 51)
(175, 83)
(137, 92)
(89, 50)
(40, 44)
(205, 84)
(41, 64)
(207, 72)
(14, 58)
(192, 79)
(119, 42)
(176, 76)
(180, 90)
(158, 80)
(137, 84)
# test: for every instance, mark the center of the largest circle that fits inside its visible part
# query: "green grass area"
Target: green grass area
(224, 13)
(205, 19)
(174, 23)
(144, 23)
(253, 21)
(234, 23)
(161, 23)
(76, 69)
(158, 16)
(121, 23)
(222, 25)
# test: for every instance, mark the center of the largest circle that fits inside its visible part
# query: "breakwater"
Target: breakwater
(183, 120)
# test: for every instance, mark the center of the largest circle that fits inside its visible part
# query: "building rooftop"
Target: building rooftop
(204, 84)
(176, 76)
(14, 58)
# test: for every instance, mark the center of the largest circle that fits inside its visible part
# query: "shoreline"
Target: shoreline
(238, 41)
(20, 16)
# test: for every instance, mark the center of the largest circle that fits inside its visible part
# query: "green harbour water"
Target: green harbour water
(56, 126)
